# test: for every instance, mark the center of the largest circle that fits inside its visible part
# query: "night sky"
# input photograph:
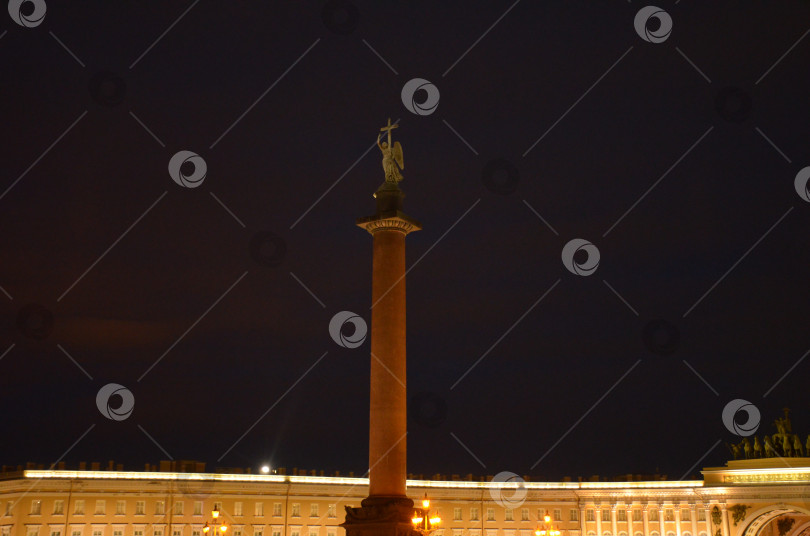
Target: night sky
(211, 304)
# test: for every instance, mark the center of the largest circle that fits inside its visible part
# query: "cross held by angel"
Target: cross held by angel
(392, 161)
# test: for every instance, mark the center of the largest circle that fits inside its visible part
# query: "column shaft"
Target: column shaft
(388, 408)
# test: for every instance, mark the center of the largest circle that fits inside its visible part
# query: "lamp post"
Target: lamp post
(423, 521)
(548, 528)
(219, 528)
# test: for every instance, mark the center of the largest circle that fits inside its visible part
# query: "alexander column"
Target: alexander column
(387, 511)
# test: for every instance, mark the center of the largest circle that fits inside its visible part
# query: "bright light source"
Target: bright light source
(265, 469)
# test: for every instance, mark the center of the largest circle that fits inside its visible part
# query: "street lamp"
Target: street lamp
(220, 528)
(548, 529)
(423, 521)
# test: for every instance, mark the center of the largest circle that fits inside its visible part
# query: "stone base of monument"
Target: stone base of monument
(380, 516)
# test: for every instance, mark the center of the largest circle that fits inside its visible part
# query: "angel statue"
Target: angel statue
(392, 155)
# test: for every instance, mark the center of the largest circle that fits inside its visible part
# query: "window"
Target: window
(330, 532)
(97, 532)
(313, 532)
(296, 532)
(313, 510)
(277, 509)
(456, 514)
(196, 532)
(36, 507)
(589, 515)
(116, 532)
(258, 509)
(76, 532)
(33, 531)
(218, 506)
(197, 508)
(158, 532)
(160, 508)
(237, 508)
(557, 515)
(637, 515)
(140, 508)
(541, 513)
(524, 514)
(686, 515)
(78, 507)
(58, 507)
(101, 507)
(653, 515)
(276, 533)
(120, 508)
(573, 515)
(605, 515)
(621, 515)
(174, 533)
(237, 532)
(332, 510)
(9, 506)
(669, 515)
(490, 514)
(137, 532)
(508, 514)
(701, 514)
(296, 510)
(257, 532)
(56, 532)
(5, 531)
(473, 514)
(178, 508)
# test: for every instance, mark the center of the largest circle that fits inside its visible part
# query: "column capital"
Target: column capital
(390, 220)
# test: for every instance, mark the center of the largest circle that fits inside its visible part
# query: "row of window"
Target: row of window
(314, 511)
(160, 508)
(197, 531)
(295, 531)
(669, 515)
(573, 514)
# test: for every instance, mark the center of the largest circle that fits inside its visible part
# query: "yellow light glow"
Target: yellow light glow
(206, 528)
(547, 518)
(224, 528)
(537, 532)
(435, 520)
(441, 484)
(426, 502)
(416, 520)
(215, 513)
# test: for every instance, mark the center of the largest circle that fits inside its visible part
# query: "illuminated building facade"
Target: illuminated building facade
(746, 498)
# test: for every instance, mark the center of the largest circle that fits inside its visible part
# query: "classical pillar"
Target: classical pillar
(693, 515)
(646, 519)
(598, 513)
(629, 518)
(582, 525)
(661, 530)
(387, 510)
(724, 512)
(678, 511)
(614, 521)
(708, 521)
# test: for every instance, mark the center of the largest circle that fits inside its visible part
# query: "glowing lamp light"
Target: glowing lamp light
(416, 520)
(547, 519)
(206, 528)
(215, 513)
(435, 520)
(425, 503)
(265, 469)
(223, 528)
